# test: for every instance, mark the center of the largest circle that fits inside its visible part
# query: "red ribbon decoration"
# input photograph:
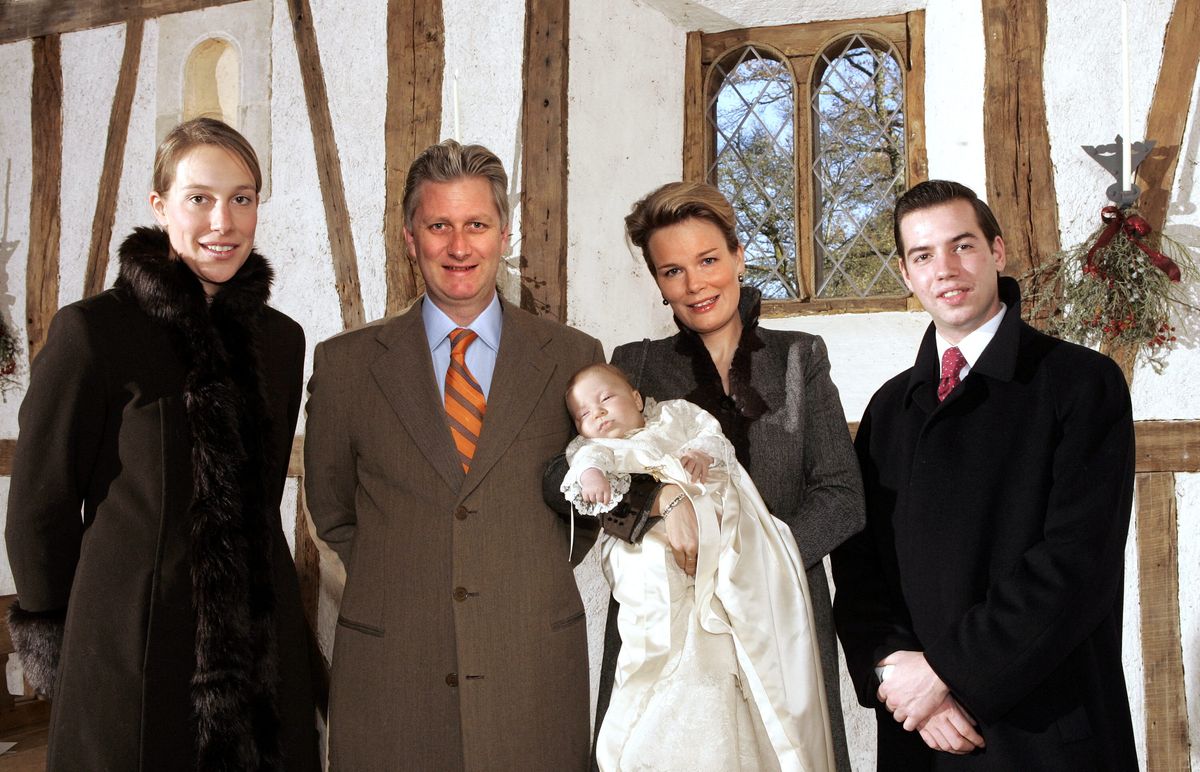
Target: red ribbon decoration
(1135, 227)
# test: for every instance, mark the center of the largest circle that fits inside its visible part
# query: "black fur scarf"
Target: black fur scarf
(233, 685)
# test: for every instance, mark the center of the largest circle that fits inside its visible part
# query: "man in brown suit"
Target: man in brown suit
(461, 640)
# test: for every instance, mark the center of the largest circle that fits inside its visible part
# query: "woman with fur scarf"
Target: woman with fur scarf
(158, 603)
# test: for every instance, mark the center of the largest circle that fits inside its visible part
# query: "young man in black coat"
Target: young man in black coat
(980, 609)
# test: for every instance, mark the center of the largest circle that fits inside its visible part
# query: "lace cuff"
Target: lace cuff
(574, 494)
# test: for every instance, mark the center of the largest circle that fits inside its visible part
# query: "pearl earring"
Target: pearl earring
(741, 278)
(666, 302)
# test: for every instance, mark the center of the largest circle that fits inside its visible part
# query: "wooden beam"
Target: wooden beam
(1167, 746)
(329, 165)
(695, 121)
(1168, 446)
(914, 98)
(416, 59)
(114, 161)
(25, 19)
(794, 40)
(45, 218)
(1168, 110)
(1020, 174)
(544, 159)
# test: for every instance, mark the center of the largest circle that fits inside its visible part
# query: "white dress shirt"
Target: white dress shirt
(972, 345)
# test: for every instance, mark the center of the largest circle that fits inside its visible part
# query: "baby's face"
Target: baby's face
(603, 405)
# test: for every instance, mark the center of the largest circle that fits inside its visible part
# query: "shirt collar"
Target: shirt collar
(976, 341)
(438, 326)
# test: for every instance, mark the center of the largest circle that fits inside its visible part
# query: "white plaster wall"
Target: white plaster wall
(91, 61)
(352, 36)
(133, 199)
(484, 56)
(954, 67)
(16, 172)
(625, 132)
(291, 225)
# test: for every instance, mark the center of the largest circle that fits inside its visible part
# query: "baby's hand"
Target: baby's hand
(595, 486)
(696, 464)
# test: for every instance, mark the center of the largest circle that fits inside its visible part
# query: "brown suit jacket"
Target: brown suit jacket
(461, 640)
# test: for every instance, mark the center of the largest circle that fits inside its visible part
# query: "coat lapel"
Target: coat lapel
(522, 371)
(404, 372)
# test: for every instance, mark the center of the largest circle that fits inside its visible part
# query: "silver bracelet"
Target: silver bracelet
(674, 503)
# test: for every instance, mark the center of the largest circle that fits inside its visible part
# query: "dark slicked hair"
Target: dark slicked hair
(931, 193)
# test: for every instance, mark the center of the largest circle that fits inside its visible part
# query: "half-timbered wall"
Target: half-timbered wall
(354, 88)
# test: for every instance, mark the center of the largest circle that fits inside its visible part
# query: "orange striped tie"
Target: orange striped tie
(464, 398)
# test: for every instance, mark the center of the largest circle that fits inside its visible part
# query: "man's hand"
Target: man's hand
(912, 691)
(950, 729)
(595, 486)
(696, 464)
(683, 532)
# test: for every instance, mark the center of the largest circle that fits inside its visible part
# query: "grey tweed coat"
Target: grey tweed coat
(785, 420)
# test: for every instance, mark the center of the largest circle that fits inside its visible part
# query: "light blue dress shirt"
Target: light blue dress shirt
(481, 354)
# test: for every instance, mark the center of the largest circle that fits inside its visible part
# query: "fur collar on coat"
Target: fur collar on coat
(233, 684)
(738, 410)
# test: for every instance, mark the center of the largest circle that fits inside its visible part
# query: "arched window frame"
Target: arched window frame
(801, 46)
(186, 65)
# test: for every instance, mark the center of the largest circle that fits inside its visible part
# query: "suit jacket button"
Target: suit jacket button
(452, 679)
(461, 513)
(460, 594)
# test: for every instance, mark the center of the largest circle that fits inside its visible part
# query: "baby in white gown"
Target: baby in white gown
(719, 671)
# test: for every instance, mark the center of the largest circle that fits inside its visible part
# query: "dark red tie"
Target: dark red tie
(952, 363)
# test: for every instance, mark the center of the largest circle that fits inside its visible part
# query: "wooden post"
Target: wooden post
(45, 218)
(544, 161)
(416, 59)
(1168, 112)
(329, 165)
(1167, 745)
(25, 19)
(114, 161)
(1020, 174)
(695, 122)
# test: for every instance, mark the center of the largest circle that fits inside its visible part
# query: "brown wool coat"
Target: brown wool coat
(461, 640)
(105, 432)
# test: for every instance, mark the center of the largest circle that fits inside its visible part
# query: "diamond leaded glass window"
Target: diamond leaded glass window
(812, 131)
(858, 168)
(755, 165)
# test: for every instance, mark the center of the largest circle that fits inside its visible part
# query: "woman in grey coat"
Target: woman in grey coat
(770, 390)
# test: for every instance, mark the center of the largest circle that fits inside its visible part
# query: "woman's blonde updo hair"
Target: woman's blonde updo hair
(192, 134)
(673, 203)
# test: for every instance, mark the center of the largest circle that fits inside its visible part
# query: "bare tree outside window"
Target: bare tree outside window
(755, 165)
(858, 168)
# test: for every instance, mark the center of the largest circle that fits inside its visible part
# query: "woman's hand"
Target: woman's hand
(696, 463)
(683, 532)
(595, 486)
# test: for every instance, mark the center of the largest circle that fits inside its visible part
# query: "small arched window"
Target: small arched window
(752, 119)
(212, 82)
(858, 168)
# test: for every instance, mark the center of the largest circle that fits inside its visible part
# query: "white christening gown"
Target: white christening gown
(720, 672)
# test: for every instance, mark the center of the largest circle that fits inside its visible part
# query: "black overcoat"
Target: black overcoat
(153, 449)
(995, 539)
